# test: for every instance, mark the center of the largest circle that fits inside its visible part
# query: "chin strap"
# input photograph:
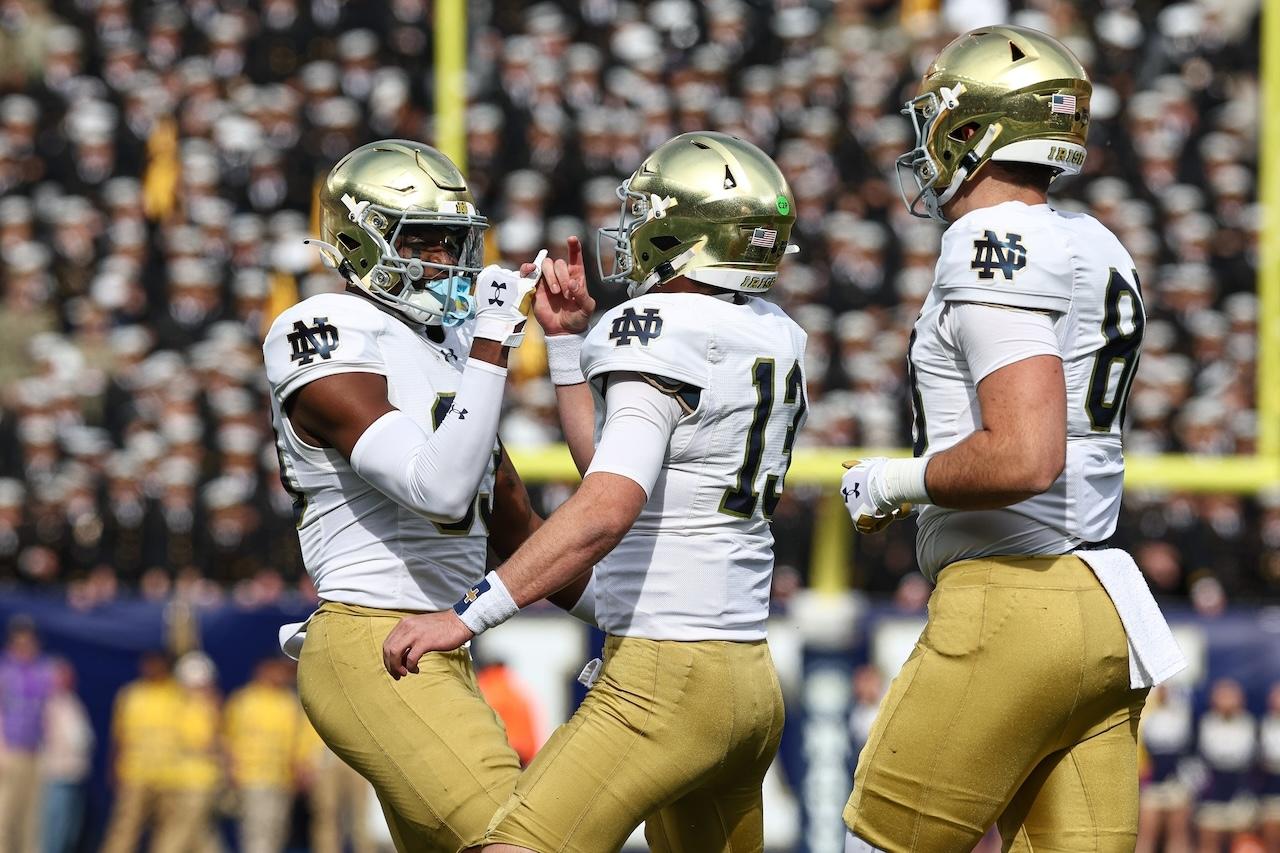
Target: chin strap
(664, 272)
(970, 161)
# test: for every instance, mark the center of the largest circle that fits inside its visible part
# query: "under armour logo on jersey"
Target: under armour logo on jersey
(642, 327)
(496, 299)
(991, 254)
(318, 339)
(461, 413)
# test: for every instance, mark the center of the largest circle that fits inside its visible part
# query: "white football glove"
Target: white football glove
(868, 513)
(503, 300)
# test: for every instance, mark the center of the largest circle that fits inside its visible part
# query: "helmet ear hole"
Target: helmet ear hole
(965, 132)
(664, 242)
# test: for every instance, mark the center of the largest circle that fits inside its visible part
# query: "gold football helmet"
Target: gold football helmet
(704, 205)
(382, 192)
(995, 93)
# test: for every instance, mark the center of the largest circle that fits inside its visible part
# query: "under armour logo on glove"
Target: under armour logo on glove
(496, 299)
(318, 339)
(855, 492)
(461, 413)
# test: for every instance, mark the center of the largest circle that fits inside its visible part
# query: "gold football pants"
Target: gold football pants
(676, 734)
(436, 754)
(1013, 709)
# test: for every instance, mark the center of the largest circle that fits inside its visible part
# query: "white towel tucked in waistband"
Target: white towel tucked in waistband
(1154, 655)
(292, 636)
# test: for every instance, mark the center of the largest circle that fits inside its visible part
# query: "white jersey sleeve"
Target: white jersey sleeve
(639, 419)
(650, 335)
(990, 337)
(322, 336)
(1001, 256)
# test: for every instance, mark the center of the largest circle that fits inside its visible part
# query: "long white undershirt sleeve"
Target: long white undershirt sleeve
(991, 337)
(638, 423)
(436, 474)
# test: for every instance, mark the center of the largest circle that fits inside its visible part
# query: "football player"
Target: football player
(1019, 705)
(385, 402)
(700, 388)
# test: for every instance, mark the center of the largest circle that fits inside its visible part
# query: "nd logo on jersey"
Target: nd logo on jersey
(642, 327)
(318, 339)
(991, 254)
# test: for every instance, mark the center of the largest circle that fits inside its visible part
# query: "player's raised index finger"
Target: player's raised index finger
(575, 251)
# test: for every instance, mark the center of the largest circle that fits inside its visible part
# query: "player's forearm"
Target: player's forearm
(514, 520)
(438, 474)
(989, 470)
(588, 526)
(490, 352)
(577, 421)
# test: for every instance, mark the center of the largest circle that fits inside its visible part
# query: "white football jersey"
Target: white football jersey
(698, 562)
(360, 546)
(1068, 264)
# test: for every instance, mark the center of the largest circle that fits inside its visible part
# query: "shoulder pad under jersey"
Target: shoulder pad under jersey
(1010, 254)
(326, 334)
(660, 334)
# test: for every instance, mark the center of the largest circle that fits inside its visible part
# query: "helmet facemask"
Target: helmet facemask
(404, 283)
(637, 209)
(925, 112)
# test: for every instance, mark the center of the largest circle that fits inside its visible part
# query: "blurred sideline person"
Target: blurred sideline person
(700, 386)
(144, 741)
(1019, 706)
(65, 761)
(338, 797)
(514, 706)
(385, 403)
(1164, 800)
(1269, 759)
(1228, 746)
(194, 786)
(263, 731)
(26, 683)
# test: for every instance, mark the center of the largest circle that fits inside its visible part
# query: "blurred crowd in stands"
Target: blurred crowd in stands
(158, 163)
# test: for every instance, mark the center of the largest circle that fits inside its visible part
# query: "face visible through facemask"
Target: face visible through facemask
(432, 244)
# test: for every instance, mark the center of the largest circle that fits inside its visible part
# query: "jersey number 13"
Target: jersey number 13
(741, 499)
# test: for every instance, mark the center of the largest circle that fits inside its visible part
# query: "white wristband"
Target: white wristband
(585, 608)
(486, 604)
(564, 359)
(900, 481)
